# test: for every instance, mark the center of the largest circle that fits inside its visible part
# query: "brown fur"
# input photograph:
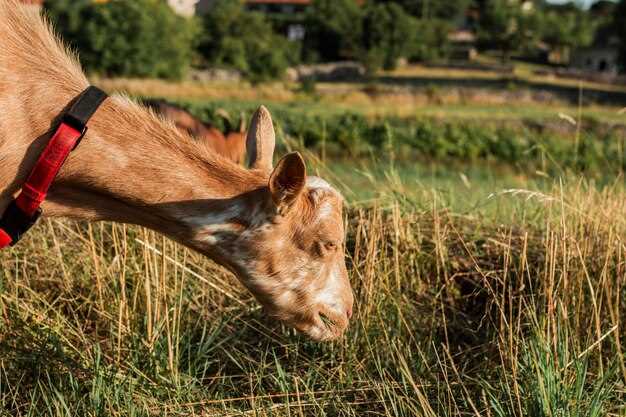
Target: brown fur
(280, 232)
(231, 144)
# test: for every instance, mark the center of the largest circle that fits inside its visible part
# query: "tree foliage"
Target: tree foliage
(619, 23)
(433, 9)
(388, 35)
(432, 41)
(236, 38)
(506, 26)
(333, 30)
(566, 29)
(139, 38)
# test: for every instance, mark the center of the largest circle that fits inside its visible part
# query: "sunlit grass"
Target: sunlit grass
(374, 99)
(456, 315)
(481, 290)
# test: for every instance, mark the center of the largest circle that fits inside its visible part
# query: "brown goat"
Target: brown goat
(231, 144)
(279, 230)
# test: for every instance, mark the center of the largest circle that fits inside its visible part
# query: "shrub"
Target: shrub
(140, 38)
(242, 40)
(352, 134)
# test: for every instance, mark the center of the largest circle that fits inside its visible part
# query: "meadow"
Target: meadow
(487, 256)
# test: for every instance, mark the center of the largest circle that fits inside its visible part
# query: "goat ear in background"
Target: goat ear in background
(261, 141)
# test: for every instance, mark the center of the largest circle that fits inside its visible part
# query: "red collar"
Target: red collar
(23, 212)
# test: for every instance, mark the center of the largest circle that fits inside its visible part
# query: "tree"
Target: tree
(429, 9)
(333, 30)
(388, 35)
(141, 38)
(431, 40)
(564, 30)
(236, 38)
(506, 26)
(620, 31)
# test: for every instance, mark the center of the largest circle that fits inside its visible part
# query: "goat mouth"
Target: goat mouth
(323, 329)
(327, 321)
(320, 327)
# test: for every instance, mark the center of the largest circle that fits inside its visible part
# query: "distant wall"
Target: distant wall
(602, 60)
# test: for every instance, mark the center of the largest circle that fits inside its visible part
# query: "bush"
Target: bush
(354, 135)
(244, 41)
(139, 38)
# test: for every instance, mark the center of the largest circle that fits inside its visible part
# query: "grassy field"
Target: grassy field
(456, 315)
(482, 289)
(416, 91)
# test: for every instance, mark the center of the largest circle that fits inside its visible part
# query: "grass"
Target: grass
(456, 315)
(509, 101)
(481, 290)
(522, 71)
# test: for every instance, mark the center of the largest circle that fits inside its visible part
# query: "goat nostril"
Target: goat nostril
(349, 313)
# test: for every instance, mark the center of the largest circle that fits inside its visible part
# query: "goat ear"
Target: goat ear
(287, 180)
(261, 140)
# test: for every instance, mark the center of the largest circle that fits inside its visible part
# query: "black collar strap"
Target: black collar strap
(84, 107)
(23, 212)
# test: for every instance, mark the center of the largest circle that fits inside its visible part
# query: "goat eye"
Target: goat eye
(330, 246)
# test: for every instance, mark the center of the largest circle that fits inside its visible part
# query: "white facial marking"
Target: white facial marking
(324, 211)
(318, 186)
(297, 280)
(285, 298)
(316, 332)
(328, 294)
(317, 182)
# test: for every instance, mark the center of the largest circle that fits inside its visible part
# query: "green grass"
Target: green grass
(457, 314)
(482, 289)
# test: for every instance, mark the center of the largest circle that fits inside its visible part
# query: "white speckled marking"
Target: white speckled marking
(324, 211)
(328, 294)
(317, 182)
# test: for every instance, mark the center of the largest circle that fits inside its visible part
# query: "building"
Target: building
(183, 7)
(462, 45)
(287, 15)
(597, 59)
(602, 57)
(190, 8)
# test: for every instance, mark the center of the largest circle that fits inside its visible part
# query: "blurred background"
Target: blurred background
(479, 92)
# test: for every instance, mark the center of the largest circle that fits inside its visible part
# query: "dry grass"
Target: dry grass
(523, 72)
(455, 316)
(429, 100)
(190, 90)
